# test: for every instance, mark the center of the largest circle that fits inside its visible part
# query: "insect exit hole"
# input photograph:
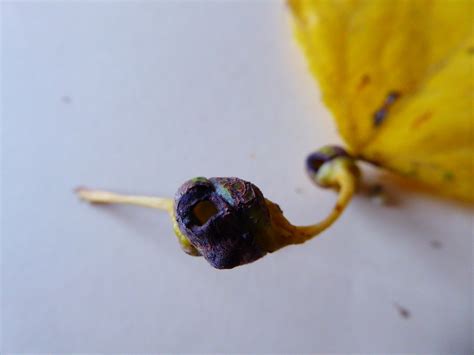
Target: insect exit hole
(203, 211)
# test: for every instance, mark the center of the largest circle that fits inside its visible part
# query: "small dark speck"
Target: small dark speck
(391, 97)
(448, 176)
(375, 190)
(379, 116)
(470, 50)
(436, 244)
(299, 190)
(378, 195)
(402, 311)
(381, 113)
(252, 156)
(66, 99)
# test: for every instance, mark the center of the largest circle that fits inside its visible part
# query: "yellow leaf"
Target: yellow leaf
(398, 77)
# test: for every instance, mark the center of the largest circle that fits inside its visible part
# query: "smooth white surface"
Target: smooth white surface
(140, 96)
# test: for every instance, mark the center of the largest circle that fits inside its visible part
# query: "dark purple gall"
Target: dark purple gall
(224, 219)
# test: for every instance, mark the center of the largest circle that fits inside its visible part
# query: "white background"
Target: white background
(140, 96)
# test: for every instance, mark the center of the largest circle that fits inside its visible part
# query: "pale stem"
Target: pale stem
(106, 197)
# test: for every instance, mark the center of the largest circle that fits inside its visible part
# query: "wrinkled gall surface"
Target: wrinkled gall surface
(223, 218)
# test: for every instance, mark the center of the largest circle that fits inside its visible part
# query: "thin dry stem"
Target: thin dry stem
(106, 197)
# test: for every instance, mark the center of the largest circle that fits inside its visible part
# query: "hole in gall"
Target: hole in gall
(203, 211)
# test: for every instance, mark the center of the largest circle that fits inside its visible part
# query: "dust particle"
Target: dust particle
(299, 190)
(252, 156)
(402, 311)
(66, 99)
(436, 244)
(375, 190)
(378, 195)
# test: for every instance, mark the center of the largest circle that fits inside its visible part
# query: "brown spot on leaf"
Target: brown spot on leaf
(422, 119)
(364, 81)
